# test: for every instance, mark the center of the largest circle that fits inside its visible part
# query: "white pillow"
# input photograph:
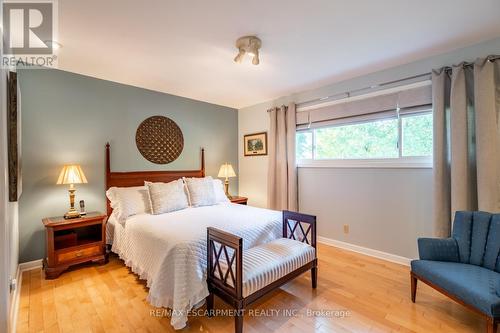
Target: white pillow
(128, 201)
(201, 191)
(220, 195)
(167, 197)
(146, 183)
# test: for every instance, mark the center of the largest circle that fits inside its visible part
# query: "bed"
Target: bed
(169, 250)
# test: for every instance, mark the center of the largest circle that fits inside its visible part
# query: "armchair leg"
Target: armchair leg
(314, 277)
(210, 304)
(491, 325)
(413, 287)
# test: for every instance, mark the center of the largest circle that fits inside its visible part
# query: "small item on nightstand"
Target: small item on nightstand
(71, 174)
(226, 170)
(82, 208)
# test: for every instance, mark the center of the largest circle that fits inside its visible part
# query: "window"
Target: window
(417, 135)
(393, 141)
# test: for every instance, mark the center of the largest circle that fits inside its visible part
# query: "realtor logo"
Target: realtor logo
(29, 34)
(28, 27)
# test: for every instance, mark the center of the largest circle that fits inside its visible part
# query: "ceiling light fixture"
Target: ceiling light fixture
(249, 45)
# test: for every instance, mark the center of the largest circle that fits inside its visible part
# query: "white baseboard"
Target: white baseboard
(14, 304)
(28, 266)
(366, 251)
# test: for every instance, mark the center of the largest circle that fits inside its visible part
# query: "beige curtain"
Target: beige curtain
(466, 101)
(282, 171)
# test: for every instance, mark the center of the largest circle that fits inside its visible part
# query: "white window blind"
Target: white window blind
(368, 107)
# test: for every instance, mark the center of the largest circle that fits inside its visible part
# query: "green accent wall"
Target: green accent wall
(68, 118)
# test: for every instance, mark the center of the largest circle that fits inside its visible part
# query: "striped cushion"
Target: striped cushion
(268, 262)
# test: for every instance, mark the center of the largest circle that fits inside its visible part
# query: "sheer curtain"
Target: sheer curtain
(282, 171)
(466, 101)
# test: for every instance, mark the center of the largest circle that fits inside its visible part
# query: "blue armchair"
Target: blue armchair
(465, 267)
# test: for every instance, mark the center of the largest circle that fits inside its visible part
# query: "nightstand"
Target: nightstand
(74, 241)
(239, 200)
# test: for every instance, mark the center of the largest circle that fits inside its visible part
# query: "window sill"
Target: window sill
(392, 163)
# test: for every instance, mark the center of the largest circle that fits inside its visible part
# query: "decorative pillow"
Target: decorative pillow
(201, 191)
(128, 201)
(167, 197)
(146, 183)
(220, 195)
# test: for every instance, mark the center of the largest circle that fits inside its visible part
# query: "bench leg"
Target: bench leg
(413, 287)
(238, 321)
(210, 304)
(314, 277)
(491, 325)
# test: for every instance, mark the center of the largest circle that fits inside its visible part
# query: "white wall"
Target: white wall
(13, 218)
(5, 218)
(4, 226)
(12, 242)
(253, 169)
(9, 230)
(387, 209)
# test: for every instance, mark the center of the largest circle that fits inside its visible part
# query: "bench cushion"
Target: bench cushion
(269, 262)
(472, 284)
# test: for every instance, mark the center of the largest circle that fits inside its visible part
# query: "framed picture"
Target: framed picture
(255, 144)
(14, 137)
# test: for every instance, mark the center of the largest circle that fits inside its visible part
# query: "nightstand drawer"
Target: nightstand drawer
(78, 254)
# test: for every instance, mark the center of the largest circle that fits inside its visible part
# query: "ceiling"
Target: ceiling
(186, 47)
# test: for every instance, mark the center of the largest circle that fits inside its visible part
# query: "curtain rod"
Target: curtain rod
(380, 85)
(465, 64)
(349, 93)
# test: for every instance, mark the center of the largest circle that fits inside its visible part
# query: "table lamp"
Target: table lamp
(71, 174)
(226, 170)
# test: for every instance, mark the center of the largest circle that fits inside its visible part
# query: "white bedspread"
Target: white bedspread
(169, 250)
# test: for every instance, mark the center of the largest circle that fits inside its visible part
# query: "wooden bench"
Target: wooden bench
(241, 277)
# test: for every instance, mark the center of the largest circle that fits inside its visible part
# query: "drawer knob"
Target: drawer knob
(79, 254)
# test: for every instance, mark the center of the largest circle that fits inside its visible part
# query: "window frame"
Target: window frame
(401, 161)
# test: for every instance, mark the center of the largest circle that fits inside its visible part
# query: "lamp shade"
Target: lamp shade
(71, 174)
(226, 170)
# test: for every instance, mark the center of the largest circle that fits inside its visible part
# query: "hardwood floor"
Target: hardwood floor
(374, 294)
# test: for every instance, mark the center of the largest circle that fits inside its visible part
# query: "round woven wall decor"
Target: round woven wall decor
(159, 140)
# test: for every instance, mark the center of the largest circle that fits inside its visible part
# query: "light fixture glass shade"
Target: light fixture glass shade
(226, 171)
(255, 59)
(71, 174)
(239, 57)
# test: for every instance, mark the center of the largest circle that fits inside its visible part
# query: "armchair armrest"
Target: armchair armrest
(438, 249)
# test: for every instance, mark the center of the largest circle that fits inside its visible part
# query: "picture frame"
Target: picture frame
(14, 137)
(255, 144)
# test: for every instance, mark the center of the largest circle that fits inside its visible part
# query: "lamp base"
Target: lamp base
(72, 214)
(226, 189)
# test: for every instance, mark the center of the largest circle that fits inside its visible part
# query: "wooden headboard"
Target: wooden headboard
(137, 178)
